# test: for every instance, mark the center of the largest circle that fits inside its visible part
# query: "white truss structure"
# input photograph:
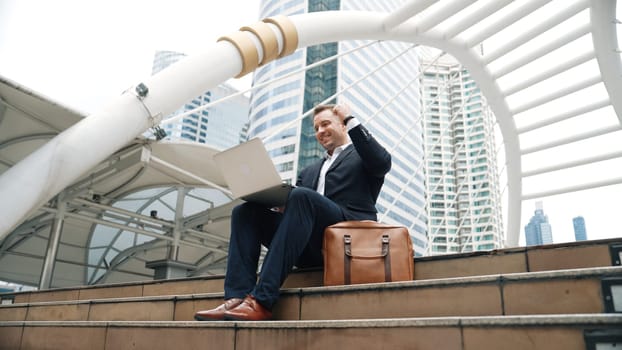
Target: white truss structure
(536, 62)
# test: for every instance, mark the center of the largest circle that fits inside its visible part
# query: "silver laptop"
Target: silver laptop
(251, 175)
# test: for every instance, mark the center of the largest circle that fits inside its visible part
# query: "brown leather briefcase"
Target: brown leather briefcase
(367, 252)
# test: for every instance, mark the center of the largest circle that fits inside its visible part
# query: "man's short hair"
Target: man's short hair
(320, 108)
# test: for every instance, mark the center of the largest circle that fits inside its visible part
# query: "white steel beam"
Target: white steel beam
(574, 163)
(605, 40)
(545, 74)
(586, 108)
(441, 13)
(575, 188)
(578, 137)
(477, 16)
(503, 22)
(124, 227)
(529, 33)
(49, 262)
(127, 213)
(406, 11)
(543, 99)
(543, 50)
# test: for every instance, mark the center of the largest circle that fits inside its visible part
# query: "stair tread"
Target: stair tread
(465, 321)
(451, 281)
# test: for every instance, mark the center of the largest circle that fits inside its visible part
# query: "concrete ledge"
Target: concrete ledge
(458, 281)
(555, 332)
(480, 321)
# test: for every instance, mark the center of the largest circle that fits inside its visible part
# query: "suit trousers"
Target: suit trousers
(293, 238)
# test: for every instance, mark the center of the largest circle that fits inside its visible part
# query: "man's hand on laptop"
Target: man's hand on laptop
(280, 209)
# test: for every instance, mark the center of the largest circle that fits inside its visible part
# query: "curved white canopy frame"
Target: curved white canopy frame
(47, 171)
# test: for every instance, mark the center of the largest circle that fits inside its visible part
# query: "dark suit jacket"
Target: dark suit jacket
(355, 178)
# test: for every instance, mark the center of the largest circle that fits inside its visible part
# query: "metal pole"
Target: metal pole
(53, 243)
(173, 252)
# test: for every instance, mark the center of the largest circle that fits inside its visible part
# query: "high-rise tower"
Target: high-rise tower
(379, 82)
(580, 234)
(538, 230)
(462, 183)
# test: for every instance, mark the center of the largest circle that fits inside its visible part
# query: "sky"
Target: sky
(85, 53)
(82, 54)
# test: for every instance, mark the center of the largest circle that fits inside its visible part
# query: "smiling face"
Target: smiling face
(329, 130)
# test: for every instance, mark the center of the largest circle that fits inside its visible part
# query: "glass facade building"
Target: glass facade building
(538, 231)
(464, 200)
(221, 126)
(578, 223)
(386, 101)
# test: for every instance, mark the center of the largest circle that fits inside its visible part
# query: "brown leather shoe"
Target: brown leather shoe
(217, 314)
(248, 310)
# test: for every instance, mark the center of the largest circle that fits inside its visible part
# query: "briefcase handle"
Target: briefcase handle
(347, 257)
(347, 246)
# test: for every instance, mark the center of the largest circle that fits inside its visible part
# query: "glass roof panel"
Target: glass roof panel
(140, 239)
(124, 240)
(102, 236)
(94, 255)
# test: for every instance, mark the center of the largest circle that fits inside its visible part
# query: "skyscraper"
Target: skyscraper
(580, 233)
(538, 230)
(386, 100)
(221, 126)
(464, 200)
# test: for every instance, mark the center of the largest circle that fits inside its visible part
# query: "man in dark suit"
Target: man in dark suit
(342, 186)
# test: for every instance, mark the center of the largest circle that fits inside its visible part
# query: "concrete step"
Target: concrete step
(551, 292)
(553, 257)
(567, 332)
